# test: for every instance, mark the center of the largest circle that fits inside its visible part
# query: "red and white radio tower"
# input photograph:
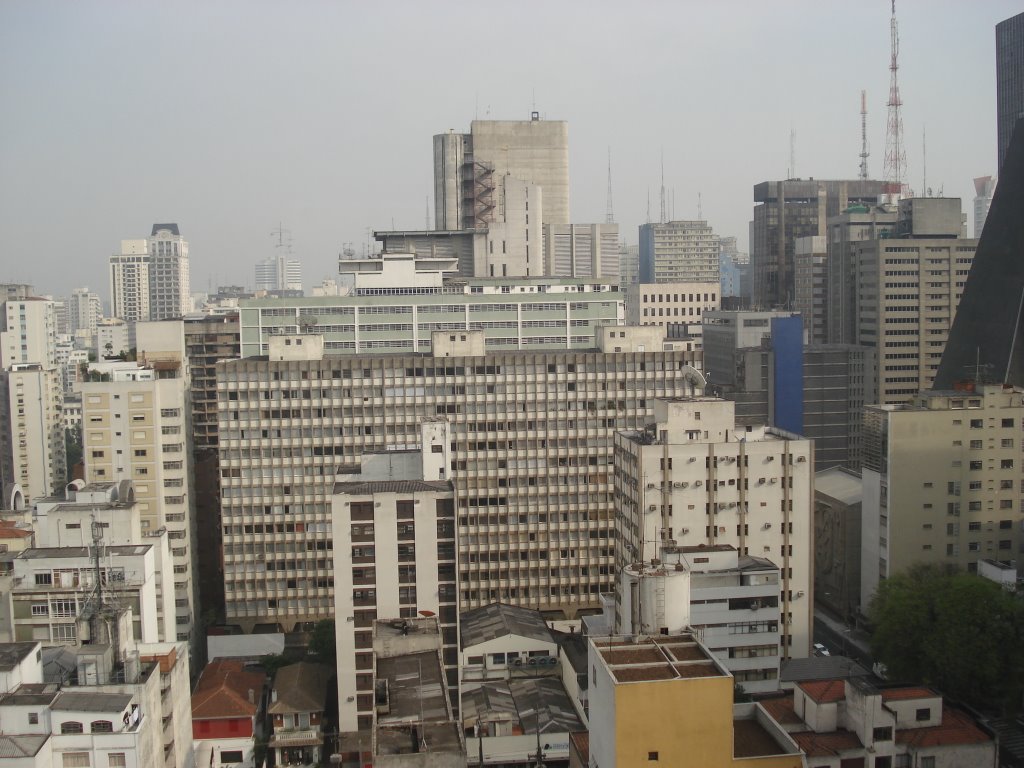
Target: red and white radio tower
(895, 156)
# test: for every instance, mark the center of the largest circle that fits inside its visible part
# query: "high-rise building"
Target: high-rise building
(629, 264)
(986, 342)
(679, 252)
(785, 211)
(84, 310)
(581, 250)
(394, 557)
(28, 333)
(149, 278)
(531, 447)
(470, 170)
(279, 273)
(734, 267)
(810, 297)
(1009, 81)
(984, 188)
(694, 477)
(674, 306)
(941, 482)
(136, 426)
(32, 429)
(908, 290)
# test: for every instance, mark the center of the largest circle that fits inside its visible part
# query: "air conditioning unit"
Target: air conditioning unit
(692, 459)
(766, 526)
(721, 529)
(760, 481)
(770, 458)
(518, 662)
(801, 459)
(774, 480)
(699, 483)
(684, 531)
(650, 486)
(683, 484)
(652, 508)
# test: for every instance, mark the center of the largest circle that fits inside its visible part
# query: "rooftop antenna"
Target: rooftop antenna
(792, 153)
(924, 162)
(609, 216)
(895, 154)
(662, 186)
(648, 205)
(284, 239)
(700, 208)
(426, 217)
(864, 135)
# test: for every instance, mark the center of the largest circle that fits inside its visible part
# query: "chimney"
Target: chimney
(273, 695)
(252, 696)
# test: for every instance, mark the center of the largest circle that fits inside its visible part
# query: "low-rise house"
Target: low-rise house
(225, 714)
(297, 703)
(499, 640)
(841, 723)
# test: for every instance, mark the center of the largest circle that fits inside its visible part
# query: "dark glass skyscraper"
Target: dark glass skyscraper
(1009, 79)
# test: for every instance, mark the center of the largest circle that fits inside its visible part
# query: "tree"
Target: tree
(72, 449)
(954, 630)
(321, 643)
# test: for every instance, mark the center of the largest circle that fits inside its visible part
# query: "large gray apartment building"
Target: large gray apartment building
(531, 454)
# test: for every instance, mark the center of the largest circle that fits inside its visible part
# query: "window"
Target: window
(882, 734)
(71, 727)
(40, 609)
(927, 762)
(922, 714)
(75, 760)
(33, 718)
(652, 756)
(44, 579)
(233, 756)
(101, 726)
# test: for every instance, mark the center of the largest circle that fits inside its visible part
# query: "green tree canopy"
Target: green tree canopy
(321, 643)
(956, 631)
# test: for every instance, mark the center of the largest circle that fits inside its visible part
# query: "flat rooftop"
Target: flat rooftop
(416, 717)
(675, 657)
(750, 739)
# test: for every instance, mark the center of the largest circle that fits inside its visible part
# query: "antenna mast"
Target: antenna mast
(895, 154)
(609, 216)
(864, 135)
(924, 162)
(792, 153)
(663, 186)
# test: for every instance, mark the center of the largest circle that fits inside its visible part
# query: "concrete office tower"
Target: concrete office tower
(846, 231)
(909, 288)
(149, 278)
(84, 310)
(397, 309)
(810, 296)
(532, 444)
(394, 556)
(678, 306)
(629, 264)
(32, 429)
(987, 331)
(838, 493)
(28, 333)
(136, 426)
(694, 477)
(1009, 81)
(679, 252)
(714, 591)
(469, 169)
(279, 273)
(581, 250)
(941, 477)
(785, 211)
(984, 188)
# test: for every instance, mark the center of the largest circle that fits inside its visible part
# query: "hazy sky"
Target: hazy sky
(228, 117)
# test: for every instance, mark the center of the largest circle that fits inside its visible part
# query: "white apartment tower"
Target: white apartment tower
(149, 278)
(29, 332)
(84, 311)
(137, 427)
(693, 478)
(679, 251)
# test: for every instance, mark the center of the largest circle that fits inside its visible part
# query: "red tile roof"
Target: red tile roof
(903, 694)
(827, 744)
(824, 691)
(7, 532)
(223, 691)
(958, 728)
(781, 710)
(581, 741)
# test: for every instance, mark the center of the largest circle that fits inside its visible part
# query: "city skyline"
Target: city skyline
(274, 115)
